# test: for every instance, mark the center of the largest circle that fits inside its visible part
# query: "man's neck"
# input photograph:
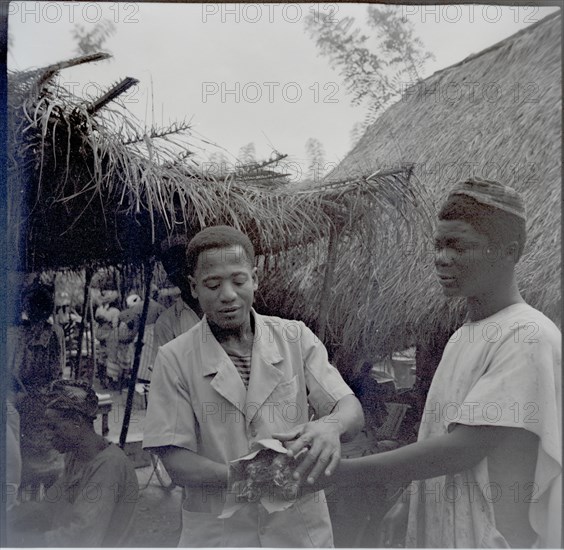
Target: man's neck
(486, 305)
(240, 336)
(90, 446)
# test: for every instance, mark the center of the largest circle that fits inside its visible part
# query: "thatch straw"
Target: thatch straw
(105, 189)
(100, 188)
(504, 117)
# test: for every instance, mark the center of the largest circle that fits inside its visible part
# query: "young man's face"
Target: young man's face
(465, 260)
(224, 283)
(61, 431)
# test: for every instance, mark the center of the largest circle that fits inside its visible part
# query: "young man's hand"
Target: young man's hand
(317, 444)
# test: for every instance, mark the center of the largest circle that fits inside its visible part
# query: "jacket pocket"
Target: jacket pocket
(286, 392)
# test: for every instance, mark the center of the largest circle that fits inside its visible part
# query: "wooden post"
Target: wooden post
(327, 283)
(93, 366)
(78, 359)
(149, 268)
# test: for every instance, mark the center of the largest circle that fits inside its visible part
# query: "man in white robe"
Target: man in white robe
(486, 469)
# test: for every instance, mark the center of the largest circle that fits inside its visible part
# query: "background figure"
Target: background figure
(35, 359)
(107, 318)
(66, 318)
(372, 396)
(185, 312)
(120, 351)
(132, 316)
(93, 502)
(36, 347)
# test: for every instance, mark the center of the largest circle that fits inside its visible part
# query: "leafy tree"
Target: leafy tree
(316, 159)
(92, 41)
(218, 165)
(247, 154)
(372, 74)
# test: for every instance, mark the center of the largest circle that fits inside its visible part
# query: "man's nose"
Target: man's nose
(443, 257)
(228, 293)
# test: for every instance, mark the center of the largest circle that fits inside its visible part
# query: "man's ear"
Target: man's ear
(192, 283)
(512, 251)
(254, 273)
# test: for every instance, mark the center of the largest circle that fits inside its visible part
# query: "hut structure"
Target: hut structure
(351, 257)
(497, 114)
(89, 185)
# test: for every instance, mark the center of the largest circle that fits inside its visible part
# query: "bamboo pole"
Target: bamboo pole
(327, 283)
(149, 268)
(78, 359)
(93, 365)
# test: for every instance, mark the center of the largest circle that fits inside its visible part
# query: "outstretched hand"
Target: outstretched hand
(319, 444)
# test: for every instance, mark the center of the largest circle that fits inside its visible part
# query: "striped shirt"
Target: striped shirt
(242, 364)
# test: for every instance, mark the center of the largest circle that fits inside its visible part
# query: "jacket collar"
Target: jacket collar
(265, 375)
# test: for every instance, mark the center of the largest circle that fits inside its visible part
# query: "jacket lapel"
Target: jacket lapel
(227, 381)
(265, 375)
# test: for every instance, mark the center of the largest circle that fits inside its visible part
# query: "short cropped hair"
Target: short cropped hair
(499, 226)
(218, 236)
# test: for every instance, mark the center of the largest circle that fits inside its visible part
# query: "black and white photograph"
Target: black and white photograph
(282, 275)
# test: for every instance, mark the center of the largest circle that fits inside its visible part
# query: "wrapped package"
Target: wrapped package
(265, 476)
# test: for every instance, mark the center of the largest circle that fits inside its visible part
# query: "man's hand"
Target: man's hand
(319, 443)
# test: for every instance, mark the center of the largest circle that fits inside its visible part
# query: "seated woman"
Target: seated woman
(93, 502)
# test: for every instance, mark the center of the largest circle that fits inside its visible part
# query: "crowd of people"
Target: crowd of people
(485, 471)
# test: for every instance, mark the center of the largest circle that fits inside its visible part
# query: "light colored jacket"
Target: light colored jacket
(199, 402)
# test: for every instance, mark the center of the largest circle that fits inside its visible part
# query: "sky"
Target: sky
(240, 73)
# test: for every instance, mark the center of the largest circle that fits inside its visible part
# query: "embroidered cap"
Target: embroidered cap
(493, 194)
(74, 395)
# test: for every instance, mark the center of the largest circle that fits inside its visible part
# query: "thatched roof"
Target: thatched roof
(496, 114)
(89, 184)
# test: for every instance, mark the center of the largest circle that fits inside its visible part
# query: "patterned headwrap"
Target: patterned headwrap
(74, 395)
(493, 194)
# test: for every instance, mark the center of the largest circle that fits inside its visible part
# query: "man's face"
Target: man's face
(224, 284)
(61, 431)
(465, 260)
